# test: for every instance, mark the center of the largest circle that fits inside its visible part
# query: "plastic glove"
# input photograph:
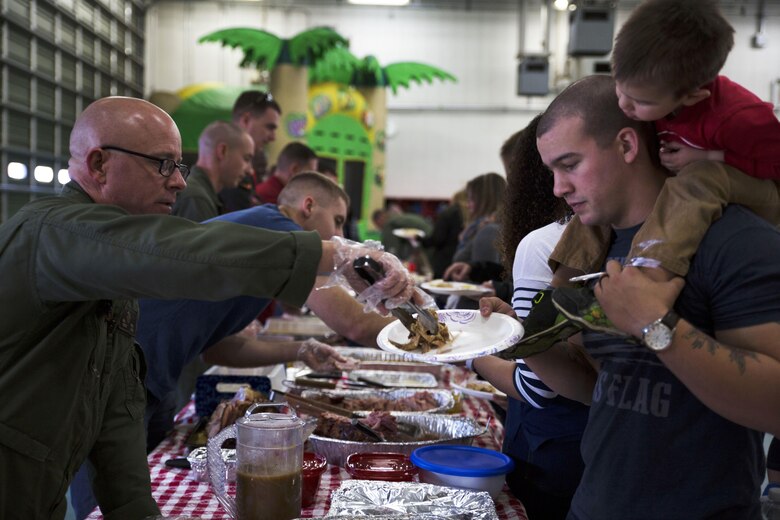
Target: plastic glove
(323, 358)
(396, 288)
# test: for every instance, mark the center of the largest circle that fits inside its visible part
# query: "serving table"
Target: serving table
(178, 494)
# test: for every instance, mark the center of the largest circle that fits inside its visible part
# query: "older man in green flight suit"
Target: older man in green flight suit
(70, 372)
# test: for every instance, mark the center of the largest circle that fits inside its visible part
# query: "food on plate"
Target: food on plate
(422, 340)
(441, 284)
(408, 232)
(418, 402)
(343, 428)
(481, 386)
(227, 412)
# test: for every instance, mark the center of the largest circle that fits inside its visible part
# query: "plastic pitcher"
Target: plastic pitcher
(269, 453)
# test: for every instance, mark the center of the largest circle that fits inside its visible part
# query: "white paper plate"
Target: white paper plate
(409, 232)
(457, 288)
(479, 393)
(474, 336)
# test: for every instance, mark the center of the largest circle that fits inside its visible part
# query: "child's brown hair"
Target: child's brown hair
(676, 45)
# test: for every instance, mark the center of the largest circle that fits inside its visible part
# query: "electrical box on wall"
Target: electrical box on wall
(591, 30)
(533, 76)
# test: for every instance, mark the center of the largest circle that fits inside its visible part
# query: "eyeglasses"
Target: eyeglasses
(167, 166)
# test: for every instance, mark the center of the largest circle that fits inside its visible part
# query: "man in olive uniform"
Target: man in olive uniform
(70, 371)
(225, 154)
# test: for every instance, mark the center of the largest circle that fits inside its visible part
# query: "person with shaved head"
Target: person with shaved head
(70, 371)
(225, 154)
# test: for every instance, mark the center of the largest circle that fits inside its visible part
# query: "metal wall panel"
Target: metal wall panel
(56, 57)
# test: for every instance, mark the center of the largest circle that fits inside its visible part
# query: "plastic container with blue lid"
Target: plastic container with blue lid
(465, 467)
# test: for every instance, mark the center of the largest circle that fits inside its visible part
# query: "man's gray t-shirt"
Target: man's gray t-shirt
(652, 450)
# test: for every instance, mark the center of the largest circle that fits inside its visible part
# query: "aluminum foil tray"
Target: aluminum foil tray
(401, 516)
(396, 379)
(372, 499)
(199, 469)
(302, 326)
(372, 354)
(449, 430)
(443, 397)
(375, 359)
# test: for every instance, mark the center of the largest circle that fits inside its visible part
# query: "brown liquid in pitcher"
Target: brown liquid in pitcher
(275, 497)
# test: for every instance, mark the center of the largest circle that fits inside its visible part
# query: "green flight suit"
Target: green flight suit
(70, 372)
(198, 201)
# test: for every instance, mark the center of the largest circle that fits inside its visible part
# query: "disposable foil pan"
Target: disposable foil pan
(396, 378)
(371, 499)
(375, 359)
(443, 397)
(199, 469)
(447, 428)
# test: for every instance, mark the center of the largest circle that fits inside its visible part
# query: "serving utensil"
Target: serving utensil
(586, 277)
(371, 271)
(317, 408)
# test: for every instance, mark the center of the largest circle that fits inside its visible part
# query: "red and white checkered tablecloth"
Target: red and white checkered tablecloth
(177, 494)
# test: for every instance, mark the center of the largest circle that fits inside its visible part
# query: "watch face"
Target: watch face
(658, 336)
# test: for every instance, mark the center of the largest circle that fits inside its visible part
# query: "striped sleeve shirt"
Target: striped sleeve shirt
(531, 273)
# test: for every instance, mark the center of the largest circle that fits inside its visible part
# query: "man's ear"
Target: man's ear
(245, 119)
(96, 162)
(306, 206)
(221, 150)
(694, 97)
(627, 140)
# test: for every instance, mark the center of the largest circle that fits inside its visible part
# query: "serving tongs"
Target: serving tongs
(317, 408)
(371, 271)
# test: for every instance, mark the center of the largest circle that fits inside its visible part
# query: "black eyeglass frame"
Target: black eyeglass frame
(183, 168)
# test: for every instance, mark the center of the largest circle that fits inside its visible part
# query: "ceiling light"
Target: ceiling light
(395, 3)
(561, 5)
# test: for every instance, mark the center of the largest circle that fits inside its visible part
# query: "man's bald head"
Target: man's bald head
(123, 177)
(216, 133)
(119, 121)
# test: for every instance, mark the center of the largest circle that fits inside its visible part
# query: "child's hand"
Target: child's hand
(675, 156)
(490, 304)
(458, 271)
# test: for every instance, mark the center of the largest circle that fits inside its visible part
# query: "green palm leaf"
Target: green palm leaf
(337, 65)
(370, 73)
(402, 73)
(261, 48)
(309, 46)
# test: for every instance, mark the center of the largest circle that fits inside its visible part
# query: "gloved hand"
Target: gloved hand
(394, 289)
(323, 358)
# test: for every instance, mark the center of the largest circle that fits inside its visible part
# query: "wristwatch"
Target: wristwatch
(658, 335)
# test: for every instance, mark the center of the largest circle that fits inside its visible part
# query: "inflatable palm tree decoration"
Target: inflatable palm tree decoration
(287, 61)
(341, 66)
(371, 79)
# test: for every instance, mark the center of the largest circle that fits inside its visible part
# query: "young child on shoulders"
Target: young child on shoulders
(665, 61)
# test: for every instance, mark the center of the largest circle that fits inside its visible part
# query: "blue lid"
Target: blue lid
(463, 461)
